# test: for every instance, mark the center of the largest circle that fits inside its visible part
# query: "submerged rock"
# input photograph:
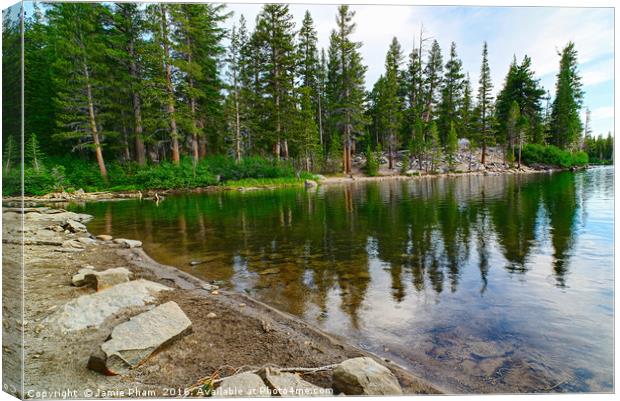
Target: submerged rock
(242, 385)
(365, 376)
(132, 342)
(91, 310)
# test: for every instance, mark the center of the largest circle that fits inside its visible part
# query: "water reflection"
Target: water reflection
(325, 255)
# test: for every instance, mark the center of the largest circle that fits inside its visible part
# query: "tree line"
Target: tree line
(133, 83)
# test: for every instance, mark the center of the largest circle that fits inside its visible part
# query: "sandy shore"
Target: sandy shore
(244, 335)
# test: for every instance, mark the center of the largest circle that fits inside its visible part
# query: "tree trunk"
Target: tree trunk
(285, 148)
(484, 152)
(174, 135)
(93, 124)
(390, 154)
(137, 108)
(192, 103)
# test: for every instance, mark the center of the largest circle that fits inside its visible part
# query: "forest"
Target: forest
(122, 96)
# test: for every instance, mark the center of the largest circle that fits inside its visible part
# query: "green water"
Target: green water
(478, 284)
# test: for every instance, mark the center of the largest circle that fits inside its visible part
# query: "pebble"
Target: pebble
(216, 292)
(241, 305)
(211, 315)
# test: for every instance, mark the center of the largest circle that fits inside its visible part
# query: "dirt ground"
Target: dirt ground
(245, 334)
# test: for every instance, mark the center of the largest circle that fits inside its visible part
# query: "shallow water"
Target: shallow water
(478, 284)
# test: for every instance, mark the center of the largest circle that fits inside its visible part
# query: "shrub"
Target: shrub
(552, 156)
(372, 164)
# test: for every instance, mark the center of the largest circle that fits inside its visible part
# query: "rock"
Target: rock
(310, 184)
(91, 310)
(364, 376)
(100, 280)
(74, 226)
(273, 270)
(242, 385)
(290, 384)
(132, 342)
(72, 244)
(78, 278)
(128, 243)
(211, 315)
(86, 240)
(196, 262)
(104, 237)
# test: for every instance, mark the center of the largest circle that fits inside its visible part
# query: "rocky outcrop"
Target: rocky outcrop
(101, 280)
(91, 310)
(364, 376)
(242, 385)
(132, 342)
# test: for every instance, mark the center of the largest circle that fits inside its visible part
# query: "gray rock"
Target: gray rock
(86, 240)
(242, 385)
(290, 384)
(71, 243)
(364, 376)
(310, 184)
(101, 280)
(91, 310)
(104, 237)
(128, 243)
(132, 342)
(74, 226)
(78, 278)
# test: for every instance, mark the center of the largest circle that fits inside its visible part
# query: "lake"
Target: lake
(478, 284)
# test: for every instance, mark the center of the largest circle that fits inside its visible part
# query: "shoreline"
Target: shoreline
(154, 194)
(245, 332)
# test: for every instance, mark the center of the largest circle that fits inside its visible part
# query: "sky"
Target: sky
(539, 32)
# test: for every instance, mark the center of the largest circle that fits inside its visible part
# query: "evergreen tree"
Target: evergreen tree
(565, 126)
(432, 80)
(33, 156)
(466, 111)
(391, 106)
(346, 83)
(80, 74)
(451, 95)
(309, 134)
(434, 148)
(275, 35)
(512, 131)
(485, 100)
(234, 67)
(452, 144)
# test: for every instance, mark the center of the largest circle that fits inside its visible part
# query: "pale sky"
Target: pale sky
(536, 31)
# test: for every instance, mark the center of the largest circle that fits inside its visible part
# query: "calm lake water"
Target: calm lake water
(478, 284)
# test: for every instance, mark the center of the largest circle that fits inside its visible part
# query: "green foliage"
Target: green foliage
(552, 156)
(372, 162)
(452, 143)
(565, 125)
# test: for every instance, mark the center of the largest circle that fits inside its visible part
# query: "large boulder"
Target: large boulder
(132, 342)
(242, 385)
(290, 384)
(101, 280)
(91, 310)
(364, 376)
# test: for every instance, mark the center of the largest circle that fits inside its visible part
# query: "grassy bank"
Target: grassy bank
(70, 174)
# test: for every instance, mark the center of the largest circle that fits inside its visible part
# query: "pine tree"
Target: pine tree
(432, 80)
(33, 156)
(451, 95)
(391, 104)
(485, 100)
(565, 126)
(512, 130)
(309, 134)
(234, 66)
(126, 48)
(434, 148)
(466, 110)
(346, 83)
(80, 75)
(275, 33)
(452, 143)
